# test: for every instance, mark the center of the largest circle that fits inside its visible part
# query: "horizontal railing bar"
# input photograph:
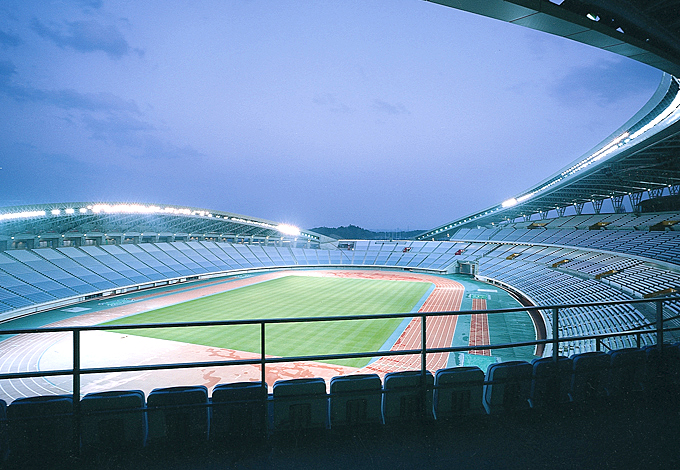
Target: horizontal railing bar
(288, 359)
(382, 316)
(307, 358)
(35, 374)
(189, 365)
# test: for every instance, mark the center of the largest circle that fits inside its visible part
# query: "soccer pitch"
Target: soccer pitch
(287, 297)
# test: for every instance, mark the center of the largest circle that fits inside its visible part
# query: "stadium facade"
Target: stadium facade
(541, 244)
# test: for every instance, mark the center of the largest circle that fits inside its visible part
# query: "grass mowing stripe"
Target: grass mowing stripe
(291, 296)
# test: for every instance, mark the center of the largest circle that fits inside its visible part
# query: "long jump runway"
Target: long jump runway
(50, 351)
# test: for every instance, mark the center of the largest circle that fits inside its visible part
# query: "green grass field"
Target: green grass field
(291, 296)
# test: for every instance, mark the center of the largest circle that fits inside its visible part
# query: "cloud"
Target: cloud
(603, 83)
(86, 36)
(388, 108)
(10, 39)
(96, 4)
(136, 137)
(121, 129)
(65, 98)
(155, 148)
(106, 117)
(7, 69)
(329, 100)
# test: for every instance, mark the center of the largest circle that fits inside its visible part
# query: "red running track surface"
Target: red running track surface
(446, 296)
(479, 328)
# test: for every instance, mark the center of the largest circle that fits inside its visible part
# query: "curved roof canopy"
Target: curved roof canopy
(137, 220)
(642, 155)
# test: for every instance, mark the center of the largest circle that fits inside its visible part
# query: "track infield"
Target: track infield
(288, 297)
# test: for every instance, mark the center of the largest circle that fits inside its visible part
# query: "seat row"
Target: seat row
(182, 416)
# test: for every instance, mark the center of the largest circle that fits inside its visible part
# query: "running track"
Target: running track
(446, 296)
(479, 328)
(23, 353)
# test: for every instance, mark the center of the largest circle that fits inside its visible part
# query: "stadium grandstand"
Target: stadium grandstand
(592, 253)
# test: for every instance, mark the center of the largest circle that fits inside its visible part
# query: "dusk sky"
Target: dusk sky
(380, 113)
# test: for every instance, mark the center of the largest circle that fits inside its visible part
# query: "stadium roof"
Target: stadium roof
(96, 219)
(641, 157)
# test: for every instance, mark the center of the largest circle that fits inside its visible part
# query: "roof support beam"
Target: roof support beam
(655, 192)
(597, 205)
(619, 208)
(635, 199)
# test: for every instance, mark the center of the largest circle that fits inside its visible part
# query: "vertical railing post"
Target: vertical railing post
(659, 324)
(598, 344)
(263, 376)
(76, 389)
(423, 365)
(555, 333)
(262, 356)
(423, 346)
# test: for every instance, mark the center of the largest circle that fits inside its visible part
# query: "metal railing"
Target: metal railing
(77, 371)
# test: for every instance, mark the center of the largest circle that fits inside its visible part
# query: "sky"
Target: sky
(386, 114)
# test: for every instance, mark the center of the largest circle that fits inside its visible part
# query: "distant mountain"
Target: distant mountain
(352, 232)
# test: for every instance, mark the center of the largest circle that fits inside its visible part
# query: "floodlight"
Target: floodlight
(69, 211)
(288, 229)
(21, 215)
(510, 202)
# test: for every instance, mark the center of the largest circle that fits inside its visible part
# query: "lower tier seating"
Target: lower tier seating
(177, 417)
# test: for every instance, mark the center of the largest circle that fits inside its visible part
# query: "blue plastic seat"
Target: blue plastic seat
(458, 392)
(550, 382)
(355, 400)
(239, 411)
(41, 427)
(627, 373)
(113, 420)
(178, 416)
(662, 371)
(509, 387)
(406, 397)
(300, 404)
(590, 377)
